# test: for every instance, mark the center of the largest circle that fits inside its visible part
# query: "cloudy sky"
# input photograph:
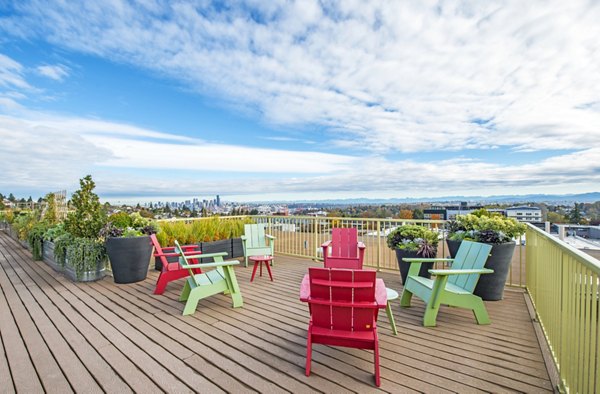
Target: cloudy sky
(263, 100)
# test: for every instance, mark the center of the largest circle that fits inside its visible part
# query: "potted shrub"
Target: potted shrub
(412, 241)
(496, 230)
(129, 249)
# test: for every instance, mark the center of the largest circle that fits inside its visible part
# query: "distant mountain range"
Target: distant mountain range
(504, 199)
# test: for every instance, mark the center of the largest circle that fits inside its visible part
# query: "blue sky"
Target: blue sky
(299, 100)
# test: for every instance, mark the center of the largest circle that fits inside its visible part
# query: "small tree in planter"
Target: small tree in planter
(79, 251)
(412, 241)
(496, 230)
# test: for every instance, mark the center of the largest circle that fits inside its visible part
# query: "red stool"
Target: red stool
(259, 260)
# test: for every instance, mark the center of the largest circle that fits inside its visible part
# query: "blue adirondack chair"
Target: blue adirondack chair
(453, 286)
(254, 242)
(219, 280)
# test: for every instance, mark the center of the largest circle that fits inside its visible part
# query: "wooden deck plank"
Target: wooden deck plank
(6, 383)
(262, 346)
(46, 367)
(88, 324)
(59, 315)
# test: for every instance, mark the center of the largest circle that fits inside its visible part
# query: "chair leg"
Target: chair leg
(390, 315)
(480, 312)
(405, 299)
(431, 312)
(246, 261)
(308, 354)
(185, 293)
(192, 303)
(376, 361)
(161, 284)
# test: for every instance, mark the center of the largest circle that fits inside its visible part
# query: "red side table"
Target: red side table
(258, 261)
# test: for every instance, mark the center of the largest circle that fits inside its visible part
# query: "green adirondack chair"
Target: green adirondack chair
(254, 242)
(219, 280)
(453, 287)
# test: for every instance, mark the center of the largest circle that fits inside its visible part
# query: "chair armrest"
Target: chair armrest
(326, 244)
(305, 289)
(361, 245)
(187, 253)
(380, 293)
(424, 260)
(203, 256)
(184, 247)
(461, 272)
(270, 237)
(210, 265)
(243, 237)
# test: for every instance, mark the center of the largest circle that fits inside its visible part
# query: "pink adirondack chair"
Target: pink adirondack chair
(343, 308)
(171, 270)
(346, 251)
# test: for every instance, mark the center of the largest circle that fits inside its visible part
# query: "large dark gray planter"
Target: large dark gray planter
(129, 258)
(491, 286)
(404, 266)
(223, 245)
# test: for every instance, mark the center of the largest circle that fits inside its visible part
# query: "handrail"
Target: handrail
(564, 285)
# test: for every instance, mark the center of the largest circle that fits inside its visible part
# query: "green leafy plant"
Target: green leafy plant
(414, 238)
(61, 243)
(121, 220)
(84, 254)
(484, 226)
(35, 238)
(24, 223)
(54, 232)
(88, 217)
(50, 215)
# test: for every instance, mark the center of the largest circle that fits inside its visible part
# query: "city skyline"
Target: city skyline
(300, 100)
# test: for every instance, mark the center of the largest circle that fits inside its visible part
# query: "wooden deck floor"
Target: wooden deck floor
(59, 336)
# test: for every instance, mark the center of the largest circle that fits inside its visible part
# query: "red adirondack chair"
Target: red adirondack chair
(346, 251)
(171, 270)
(343, 308)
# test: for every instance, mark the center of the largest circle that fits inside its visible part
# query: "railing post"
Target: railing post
(315, 237)
(378, 223)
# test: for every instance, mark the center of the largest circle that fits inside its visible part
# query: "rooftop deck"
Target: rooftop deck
(59, 336)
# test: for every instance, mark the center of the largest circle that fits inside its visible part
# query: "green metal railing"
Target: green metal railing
(564, 287)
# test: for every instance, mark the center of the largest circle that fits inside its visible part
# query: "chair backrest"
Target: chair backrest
(255, 235)
(344, 243)
(342, 299)
(470, 255)
(158, 249)
(183, 261)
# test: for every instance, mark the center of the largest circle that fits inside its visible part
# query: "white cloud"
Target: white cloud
(57, 72)
(381, 76)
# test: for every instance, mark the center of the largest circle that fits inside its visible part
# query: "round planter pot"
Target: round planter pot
(490, 287)
(404, 266)
(129, 258)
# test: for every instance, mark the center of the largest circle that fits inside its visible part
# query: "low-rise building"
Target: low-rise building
(525, 214)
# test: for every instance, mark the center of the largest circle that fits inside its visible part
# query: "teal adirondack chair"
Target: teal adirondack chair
(254, 242)
(219, 280)
(453, 287)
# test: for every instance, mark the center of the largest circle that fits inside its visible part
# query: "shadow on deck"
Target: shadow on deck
(59, 336)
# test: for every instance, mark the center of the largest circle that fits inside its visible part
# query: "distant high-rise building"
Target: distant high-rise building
(218, 201)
